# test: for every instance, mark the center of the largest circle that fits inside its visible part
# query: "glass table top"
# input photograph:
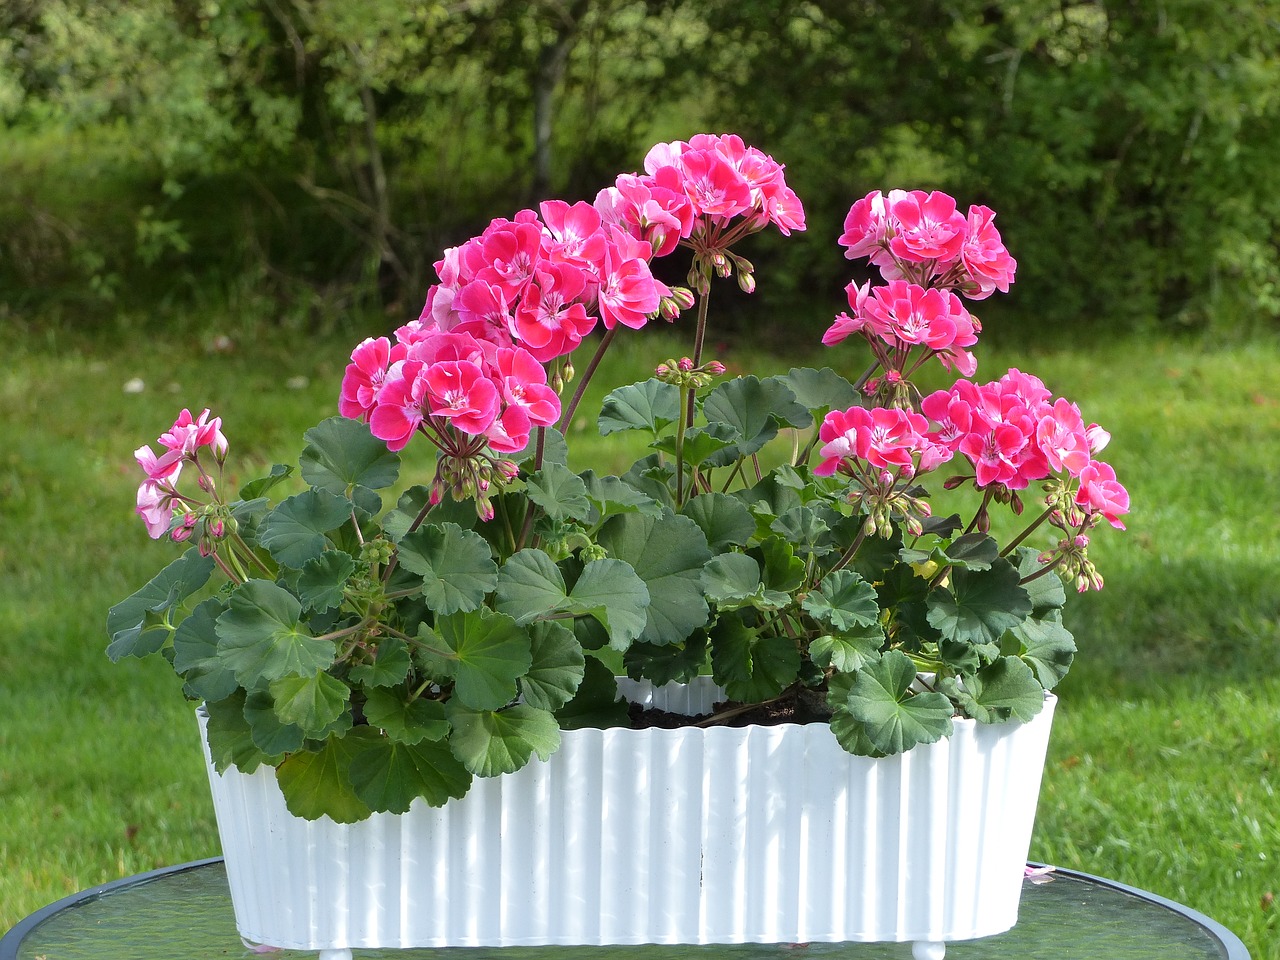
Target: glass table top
(184, 913)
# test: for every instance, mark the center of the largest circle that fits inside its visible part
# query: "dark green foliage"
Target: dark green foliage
(186, 153)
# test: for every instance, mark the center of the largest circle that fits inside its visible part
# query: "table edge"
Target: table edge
(10, 942)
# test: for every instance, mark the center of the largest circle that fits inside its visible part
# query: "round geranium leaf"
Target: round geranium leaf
(456, 566)
(297, 529)
(559, 492)
(980, 605)
(848, 650)
(651, 405)
(530, 586)
(195, 653)
(557, 668)
(389, 666)
(323, 580)
(1046, 646)
(341, 455)
(1000, 691)
(137, 625)
(312, 703)
(725, 520)
(389, 775)
(260, 636)
(667, 552)
(894, 718)
(611, 592)
(843, 601)
(489, 743)
(404, 720)
(317, 783)
(488, 652)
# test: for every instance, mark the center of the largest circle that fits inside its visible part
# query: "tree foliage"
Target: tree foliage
(325, 152)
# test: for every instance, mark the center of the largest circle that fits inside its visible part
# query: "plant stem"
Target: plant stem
(1047, 568)
(847, 557)
(699, 339)
(1017, 541)
(587, 374)
(686, 394)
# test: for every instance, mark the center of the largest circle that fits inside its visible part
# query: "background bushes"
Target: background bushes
(312, 157)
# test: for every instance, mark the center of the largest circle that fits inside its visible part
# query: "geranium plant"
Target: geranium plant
(780, 534)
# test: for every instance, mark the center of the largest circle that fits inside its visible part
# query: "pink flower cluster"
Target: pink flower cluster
(158, 496)
(885, 439)
(922, 236)
(1013, 435)
(709, 192)
(544, 283)
(452, 386)
(927, 252)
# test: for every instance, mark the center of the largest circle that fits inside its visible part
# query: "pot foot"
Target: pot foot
(342, 953)
(928, 950)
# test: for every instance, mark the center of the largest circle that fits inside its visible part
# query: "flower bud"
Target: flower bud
(566, 370)
(685, 365)
(715, 368)
(747, 282)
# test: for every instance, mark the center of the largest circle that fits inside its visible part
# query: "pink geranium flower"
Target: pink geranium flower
(883, 438)
(628, 294)
(928, 227)
(155, 507)
(461, 392)
(187, 434)
(987, 262)
(1100, 493)
(364, 377)
(551, 319)
(523, 383)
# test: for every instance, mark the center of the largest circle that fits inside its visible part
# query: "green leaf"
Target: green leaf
(557, 668)
(895, 720)
(612, 495)
(406, 721)
(843, 601)
(271, 735)
(260, 636)
(973, 551)
(554, 448)
(560, 493)
(819, 391)
(849, 650)
(596, 703)
(980, 605)
(342, 455)
(297, 529)
(389, 667)
(667, 553)
(651, 405)
(195, 654)
(318, 784)
(750, 667)
(731, 579)
(699, 443)
(323, 579)
(724, 520)
(612, 592)
(136, 625)
(230, 736)
(489, 652)
(490, 743)
(530, 586)
(755, 408)
(280, 472)
(1007, 688)
(669, 663)
(783, 570)
(1045, 644)
(388, 775)
(1046, 591)
(313, 703)
(806, 529)
(456, 566)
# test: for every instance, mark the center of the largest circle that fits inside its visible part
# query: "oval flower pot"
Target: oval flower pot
(764, 834)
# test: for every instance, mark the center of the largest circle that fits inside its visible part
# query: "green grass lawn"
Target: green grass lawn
(1165, 756)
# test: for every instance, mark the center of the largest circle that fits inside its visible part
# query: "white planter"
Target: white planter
(716, 835)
